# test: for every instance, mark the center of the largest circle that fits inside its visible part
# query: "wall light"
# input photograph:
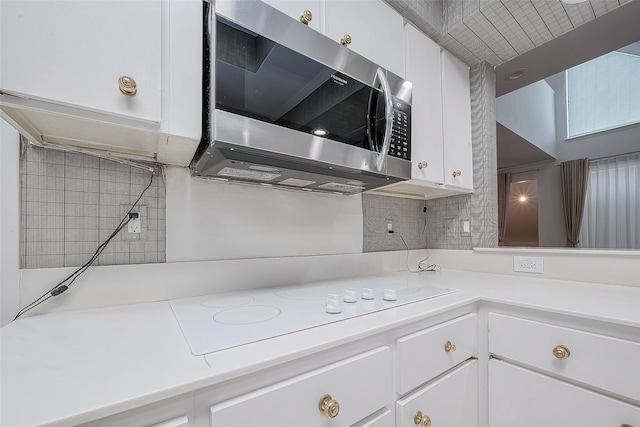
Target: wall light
(522, 199)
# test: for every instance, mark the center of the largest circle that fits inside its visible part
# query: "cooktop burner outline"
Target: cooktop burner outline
(228, 301)
(247, 315)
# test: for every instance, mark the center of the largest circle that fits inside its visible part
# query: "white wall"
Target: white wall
(209, 220)
(529, 112)
(9, 221)
(602, 144)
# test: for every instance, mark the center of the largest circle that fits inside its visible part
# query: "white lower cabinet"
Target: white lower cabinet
(426, 354)
(601, 361)
(337, 395)
(522, 398)
(451, 401)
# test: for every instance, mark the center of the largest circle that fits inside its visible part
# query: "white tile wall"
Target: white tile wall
(72, 202)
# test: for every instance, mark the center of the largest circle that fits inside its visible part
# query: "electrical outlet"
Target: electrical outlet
(135, 229)
(465, 227)
(389, 226)
(528, 264)
(134, 223)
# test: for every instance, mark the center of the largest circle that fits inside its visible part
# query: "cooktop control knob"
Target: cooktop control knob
(367, 293)
(390, 295)
(350, 296)
(334, 305)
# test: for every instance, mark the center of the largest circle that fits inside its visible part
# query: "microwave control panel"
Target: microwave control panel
(400, 145)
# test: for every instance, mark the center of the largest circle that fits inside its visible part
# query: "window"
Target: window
(603, 94)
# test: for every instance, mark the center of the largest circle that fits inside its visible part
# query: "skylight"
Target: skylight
(603, 94)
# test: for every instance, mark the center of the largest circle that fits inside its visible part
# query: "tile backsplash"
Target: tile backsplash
(408, 219)
(72, 202)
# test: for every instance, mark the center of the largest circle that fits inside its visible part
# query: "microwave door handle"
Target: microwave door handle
(388, 111)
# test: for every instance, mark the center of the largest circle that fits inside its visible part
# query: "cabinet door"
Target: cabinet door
(356, 388)
(376, 30)
(422, 57)
(73, 52)
(518, 397)
(456, 110)
(450, 401)
(295, 9)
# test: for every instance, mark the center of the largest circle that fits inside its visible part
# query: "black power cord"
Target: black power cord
(421, 264)
(62, 286)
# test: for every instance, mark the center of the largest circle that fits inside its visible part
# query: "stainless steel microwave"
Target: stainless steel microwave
(286, 106)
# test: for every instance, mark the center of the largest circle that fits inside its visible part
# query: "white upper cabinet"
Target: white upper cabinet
(309, 11)
(112, 78)
(424, 71)
(375, 30)
(440, 122)
(74, 52)
(456, 113)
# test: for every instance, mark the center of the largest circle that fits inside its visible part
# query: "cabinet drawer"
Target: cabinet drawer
(361, 385)
(604, 362)
(450, 401)
(518, 397)
(422, 355)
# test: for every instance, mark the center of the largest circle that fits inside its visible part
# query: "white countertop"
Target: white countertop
(77, 366)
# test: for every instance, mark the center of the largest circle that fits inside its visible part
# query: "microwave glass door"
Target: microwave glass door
(263, 80)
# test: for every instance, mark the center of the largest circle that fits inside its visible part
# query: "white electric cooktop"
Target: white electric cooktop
(217, 322)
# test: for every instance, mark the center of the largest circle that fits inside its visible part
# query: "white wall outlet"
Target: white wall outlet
(135, 230)
(528, 264)
(389, 226)
(465, 227)
(134, 223)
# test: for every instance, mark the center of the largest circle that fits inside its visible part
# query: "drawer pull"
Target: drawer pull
(306, 17)
(422, 420)
(422, 165)
(127, 85)
(346, 40)
(448, 346)
(329, 406)
(456, 173)
(626, 425)
(561, 352)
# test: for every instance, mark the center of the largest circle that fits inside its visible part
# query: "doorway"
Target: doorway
(522, 214)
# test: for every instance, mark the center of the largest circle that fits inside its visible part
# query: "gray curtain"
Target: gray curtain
(504, 185)
(574, 178)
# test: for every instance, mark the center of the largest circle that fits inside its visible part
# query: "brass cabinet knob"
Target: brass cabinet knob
(127, 85)
(329, 406)
(422, 420)
(448, 346)
(306, 17)
(346, 40)
(456, 173)
(422, 165)
(626, 425)
(561, 352)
